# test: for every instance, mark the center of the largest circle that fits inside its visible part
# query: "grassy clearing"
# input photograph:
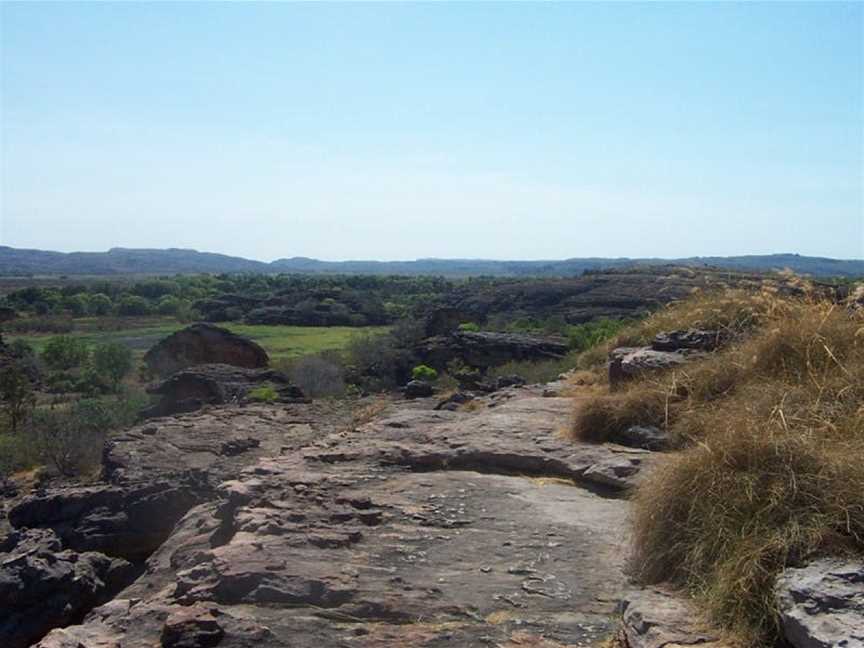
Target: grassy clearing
(770, 434)
(139, 334)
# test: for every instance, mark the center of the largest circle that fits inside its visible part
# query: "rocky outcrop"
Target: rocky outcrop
(419, 528)
(418, 389)
(204, 344)
(125, 521)
(667, 350)
(822, 604)
(487, 349)
(217, 384)
(43, 586)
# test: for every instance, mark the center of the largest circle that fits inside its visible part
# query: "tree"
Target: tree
(64, 352)
(114, 361)
(100, 304)
(16, 395)
(133, 305)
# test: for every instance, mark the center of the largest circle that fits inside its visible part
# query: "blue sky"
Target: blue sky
(398, 130)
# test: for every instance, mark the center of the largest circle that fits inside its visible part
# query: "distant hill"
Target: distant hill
(121, 261)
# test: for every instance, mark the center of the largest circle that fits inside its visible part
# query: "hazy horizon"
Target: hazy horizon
(451, 131)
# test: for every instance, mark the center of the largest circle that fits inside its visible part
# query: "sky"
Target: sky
(454, 130)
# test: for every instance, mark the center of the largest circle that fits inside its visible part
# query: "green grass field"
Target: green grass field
(280, 342)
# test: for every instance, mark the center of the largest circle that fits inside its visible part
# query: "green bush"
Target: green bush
(64, 352)
(113, 361)
(588, 335)
(424, 373)
(263, 394)
(469, 327)
(71, 438)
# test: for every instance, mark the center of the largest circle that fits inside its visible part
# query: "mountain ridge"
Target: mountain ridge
(155, 261)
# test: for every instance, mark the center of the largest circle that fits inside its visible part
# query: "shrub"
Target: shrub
(424, 373)
(65, 352)
(113, 361)
(17, 398)
(318, 375)
(263, 394)
(17, 452)
(541, 371)
(470, 327)
(586, 336)
(71, 438)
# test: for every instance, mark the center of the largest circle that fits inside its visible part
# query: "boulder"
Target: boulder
(418, 389)
(43, 586)
(204, 344)
(822, 604)
(217, 384)
(657, 619)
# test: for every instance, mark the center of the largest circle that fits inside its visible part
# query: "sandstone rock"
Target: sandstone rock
(418, 389)
(419, 528)
(43, 586)
(216, 384)
(655, 619)
(191, 628)
(201, 344)
(822, 604)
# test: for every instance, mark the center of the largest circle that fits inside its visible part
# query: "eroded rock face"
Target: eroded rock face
(128, 521)
(822, 604)
(217, 384)
(202, 344)
(43, 586)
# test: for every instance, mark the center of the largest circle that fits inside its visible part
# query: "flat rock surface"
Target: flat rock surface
(480, 527)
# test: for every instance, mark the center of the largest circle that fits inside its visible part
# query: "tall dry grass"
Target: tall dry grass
(770, 466)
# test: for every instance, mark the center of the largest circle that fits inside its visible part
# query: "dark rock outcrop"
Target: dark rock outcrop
(217, 384)
(822, 604)
(488, 349)
(43, 586)
(124, 521)
(202, 344)
(418, 389)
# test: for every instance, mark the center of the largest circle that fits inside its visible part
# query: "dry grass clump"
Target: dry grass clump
(771, 472)
(722, 518)
(606, 416)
